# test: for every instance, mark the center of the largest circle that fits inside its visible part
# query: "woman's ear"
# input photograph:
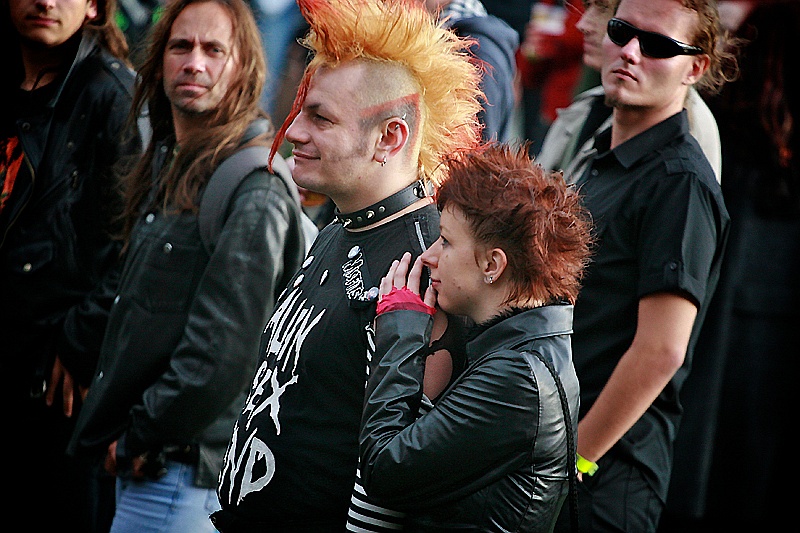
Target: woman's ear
(495, 264)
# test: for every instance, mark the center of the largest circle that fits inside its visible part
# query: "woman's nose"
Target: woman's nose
(430, 256)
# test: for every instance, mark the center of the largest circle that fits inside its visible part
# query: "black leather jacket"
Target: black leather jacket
(492, 454)
(180, 347)
(54, 234)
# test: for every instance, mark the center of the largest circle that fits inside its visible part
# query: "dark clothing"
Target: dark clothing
(661, 226)
(504, 409)
(54, 232)
(55, 246)
(177, 354)
(619, 500)
(516, 13)
(599, 112)
(754, 352)
(291, 464)
(496, 45)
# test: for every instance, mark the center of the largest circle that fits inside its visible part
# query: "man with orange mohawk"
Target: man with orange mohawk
(388, 93)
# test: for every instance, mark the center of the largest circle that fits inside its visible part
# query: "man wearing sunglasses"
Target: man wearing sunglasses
(571, 132)
(661, 227)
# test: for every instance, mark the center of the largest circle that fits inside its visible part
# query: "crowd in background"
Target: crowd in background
(733, 442)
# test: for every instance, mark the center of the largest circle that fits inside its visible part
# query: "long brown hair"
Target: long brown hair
(181, 183)
(105, 29)
(759, 114)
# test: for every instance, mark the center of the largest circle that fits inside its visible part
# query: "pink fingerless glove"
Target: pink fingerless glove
(403, 299)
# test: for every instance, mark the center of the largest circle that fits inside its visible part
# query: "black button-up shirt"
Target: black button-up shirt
(661, 226)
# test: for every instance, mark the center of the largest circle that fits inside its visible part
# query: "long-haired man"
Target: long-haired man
(67, 90)
(189, 308)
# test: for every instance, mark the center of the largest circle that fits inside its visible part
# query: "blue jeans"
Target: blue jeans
(170, 504)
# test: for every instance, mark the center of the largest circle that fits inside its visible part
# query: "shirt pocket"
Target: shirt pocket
(165, 277)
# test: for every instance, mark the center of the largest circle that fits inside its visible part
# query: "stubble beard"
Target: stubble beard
(615, 102)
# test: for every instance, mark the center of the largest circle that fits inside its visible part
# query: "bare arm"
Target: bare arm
(658, 350)
(438, 365)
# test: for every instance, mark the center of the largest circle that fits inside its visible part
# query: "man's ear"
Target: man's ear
(394, 135)
(91, 10)
(700, 64)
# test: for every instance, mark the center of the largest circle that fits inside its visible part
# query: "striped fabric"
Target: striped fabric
(364, 516)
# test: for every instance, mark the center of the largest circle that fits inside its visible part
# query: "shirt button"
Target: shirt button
(673, 265)
(70, 145)
(116, 299)
(595, 172)
(149, 218)
(26, 126)
(164, 149)
(167, 248)
(27, 267)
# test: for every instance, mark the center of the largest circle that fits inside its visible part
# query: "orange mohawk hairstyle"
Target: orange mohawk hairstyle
(401, 35)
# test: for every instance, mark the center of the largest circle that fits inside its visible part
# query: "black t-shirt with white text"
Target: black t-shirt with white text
(294, 451)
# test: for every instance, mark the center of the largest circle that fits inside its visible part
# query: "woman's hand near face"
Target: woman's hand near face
(438, 365)
(400, 277)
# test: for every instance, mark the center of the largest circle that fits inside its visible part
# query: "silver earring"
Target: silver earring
(490, 280)
(383, 163)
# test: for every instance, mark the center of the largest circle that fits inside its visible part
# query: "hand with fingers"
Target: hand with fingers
(399, 288)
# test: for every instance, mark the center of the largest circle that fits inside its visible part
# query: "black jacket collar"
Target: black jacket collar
(521, 329)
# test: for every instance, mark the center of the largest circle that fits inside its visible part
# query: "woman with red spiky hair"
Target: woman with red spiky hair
(496, 451)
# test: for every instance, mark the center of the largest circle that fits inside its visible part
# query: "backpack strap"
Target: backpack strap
(572, 447)
(224, 182)
(281, 169)
(220, 188)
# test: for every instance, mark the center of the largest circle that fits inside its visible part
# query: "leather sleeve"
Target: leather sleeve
(216, 355)
(114, 147)
(472, 437)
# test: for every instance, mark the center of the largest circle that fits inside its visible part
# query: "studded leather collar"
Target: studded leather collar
(383, 209)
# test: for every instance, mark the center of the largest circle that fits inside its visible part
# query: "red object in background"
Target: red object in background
(550, 57)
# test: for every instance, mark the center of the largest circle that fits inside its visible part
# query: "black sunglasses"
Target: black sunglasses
(650, 43)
